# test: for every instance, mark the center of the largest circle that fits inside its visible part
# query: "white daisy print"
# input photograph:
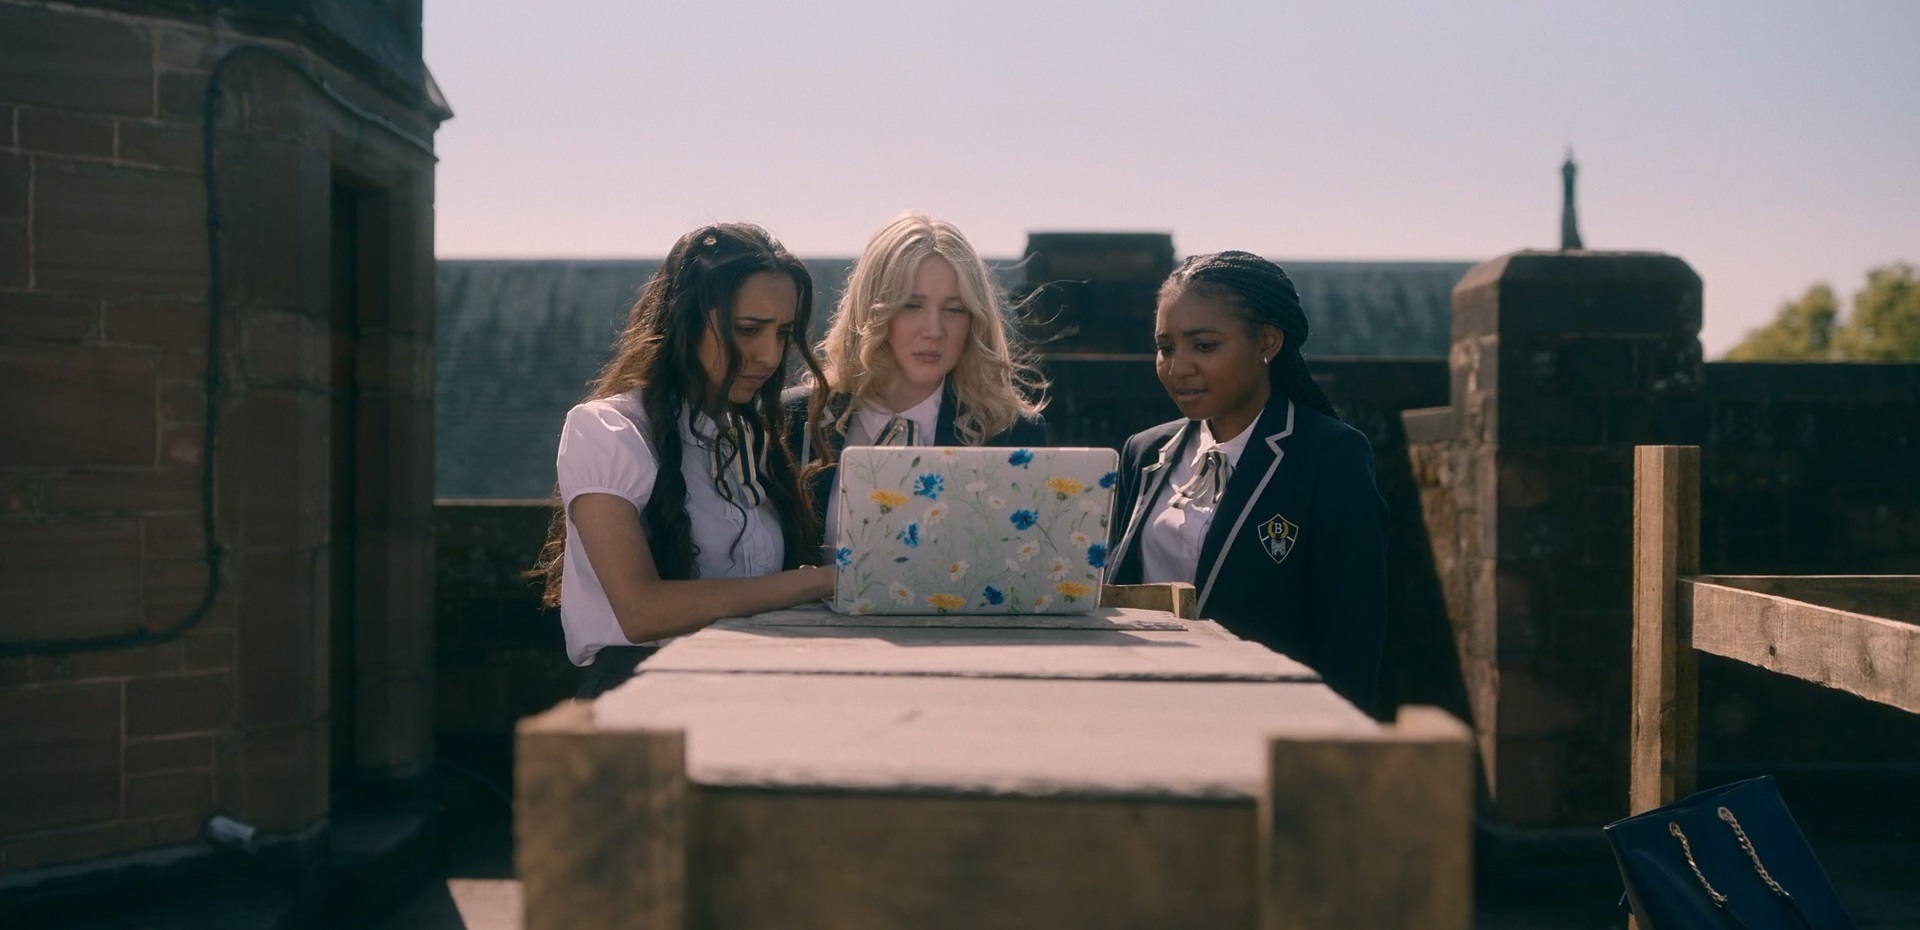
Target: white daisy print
(957, 570)
(1057, 570)
(1013, 565)
(901, 593)
(936, 513)
(976, 487)
(1042, 602)
(1080, 540)
(862, 606)
(996, 503)
(1093, 503)
(1027, 550)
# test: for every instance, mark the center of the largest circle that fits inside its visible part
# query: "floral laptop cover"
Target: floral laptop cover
(972, 530)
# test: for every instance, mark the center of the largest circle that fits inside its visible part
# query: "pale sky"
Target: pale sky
(1770, 144)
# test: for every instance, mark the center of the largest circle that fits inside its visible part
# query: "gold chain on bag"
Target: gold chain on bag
(1747, 845)
(1719, 900)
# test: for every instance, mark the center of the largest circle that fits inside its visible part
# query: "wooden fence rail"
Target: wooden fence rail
(1855, 633)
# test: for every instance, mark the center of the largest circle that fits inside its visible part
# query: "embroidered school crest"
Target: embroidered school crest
(1277, 536)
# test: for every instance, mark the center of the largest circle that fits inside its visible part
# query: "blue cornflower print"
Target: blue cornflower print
(1020, 457)
(1107, 480)
(910, 536)
(843, 556)
(930, 486)
(1023, 519)
(1097, 555)
(992, 595)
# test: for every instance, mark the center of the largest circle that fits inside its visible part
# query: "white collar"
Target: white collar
(925, 414)
(1232, 447)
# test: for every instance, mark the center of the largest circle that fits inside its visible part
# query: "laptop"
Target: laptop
(972, 529)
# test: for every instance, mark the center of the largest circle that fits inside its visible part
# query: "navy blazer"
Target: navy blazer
(1026, 432)
(1296, 556)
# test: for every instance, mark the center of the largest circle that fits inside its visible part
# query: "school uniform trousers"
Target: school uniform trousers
(1295, 557)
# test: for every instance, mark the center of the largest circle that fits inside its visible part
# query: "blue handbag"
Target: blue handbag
(1728, 857)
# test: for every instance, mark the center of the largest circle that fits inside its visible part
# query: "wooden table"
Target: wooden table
(1127, 769)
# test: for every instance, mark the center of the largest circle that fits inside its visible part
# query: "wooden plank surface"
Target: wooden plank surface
(1199, 654)
(1666, 682)
(1873, 657)
(978, 736)
(1370, 832)
(1895, 597)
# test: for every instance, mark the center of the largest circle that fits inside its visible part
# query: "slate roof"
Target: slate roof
(516, 343)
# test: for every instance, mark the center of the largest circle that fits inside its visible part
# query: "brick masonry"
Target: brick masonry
(103, 343)
(1561, 363)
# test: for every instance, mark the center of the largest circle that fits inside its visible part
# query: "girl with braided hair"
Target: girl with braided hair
(680, 502)
(1259, 496)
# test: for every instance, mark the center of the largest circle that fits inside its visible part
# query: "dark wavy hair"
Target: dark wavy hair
(1262, 294)
(658, 354)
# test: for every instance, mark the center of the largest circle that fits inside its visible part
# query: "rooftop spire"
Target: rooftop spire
(1569, 221)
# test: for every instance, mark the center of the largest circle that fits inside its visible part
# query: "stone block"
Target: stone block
(278, 233)
(140, 662)
(174, 588)
(170, 754)
(86, 240)
(168, 794)
(260, 457)
(207, 650)
(127, 491)
(75, 406)
(64, 578)
(16, 176)
(179, 705)
(78, 845)
(181, 96)
(14, 251)
(59, 756)
(1525, 610)
(284, 774)
(63, 132)
(280, 672)
(75, 60)
(31, 317)
(184, 48)
(173, 146)
(1580, 292)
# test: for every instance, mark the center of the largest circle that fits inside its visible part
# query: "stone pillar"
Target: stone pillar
(1561, 363)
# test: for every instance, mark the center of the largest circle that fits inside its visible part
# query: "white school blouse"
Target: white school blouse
(1170, 544)
(868, 423)
(604, 450)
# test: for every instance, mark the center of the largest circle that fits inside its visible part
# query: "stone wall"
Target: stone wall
(1561, 363)
(104, 322)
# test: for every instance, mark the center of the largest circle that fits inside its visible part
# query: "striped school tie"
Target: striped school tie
(1208, 483)
(735, 476)
(900, 431)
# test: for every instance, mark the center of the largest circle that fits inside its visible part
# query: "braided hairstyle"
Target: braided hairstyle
(1260, 292)
(659, 353)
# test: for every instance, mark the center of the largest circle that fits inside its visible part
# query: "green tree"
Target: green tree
(1803, 331)
(1885, 322)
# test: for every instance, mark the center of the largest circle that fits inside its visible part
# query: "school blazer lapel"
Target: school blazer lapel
(943, 434)
(1153, 479)
(1261, 457)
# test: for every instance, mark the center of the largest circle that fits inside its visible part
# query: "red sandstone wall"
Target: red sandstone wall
(103, 322)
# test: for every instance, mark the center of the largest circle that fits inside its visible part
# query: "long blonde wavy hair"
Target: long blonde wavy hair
(995, 382)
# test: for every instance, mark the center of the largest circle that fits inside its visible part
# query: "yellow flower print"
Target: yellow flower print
(1064, 488)
(1073, 590)
(946, 602)
(888, 499)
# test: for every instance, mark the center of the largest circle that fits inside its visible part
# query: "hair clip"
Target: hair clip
(710, 240)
